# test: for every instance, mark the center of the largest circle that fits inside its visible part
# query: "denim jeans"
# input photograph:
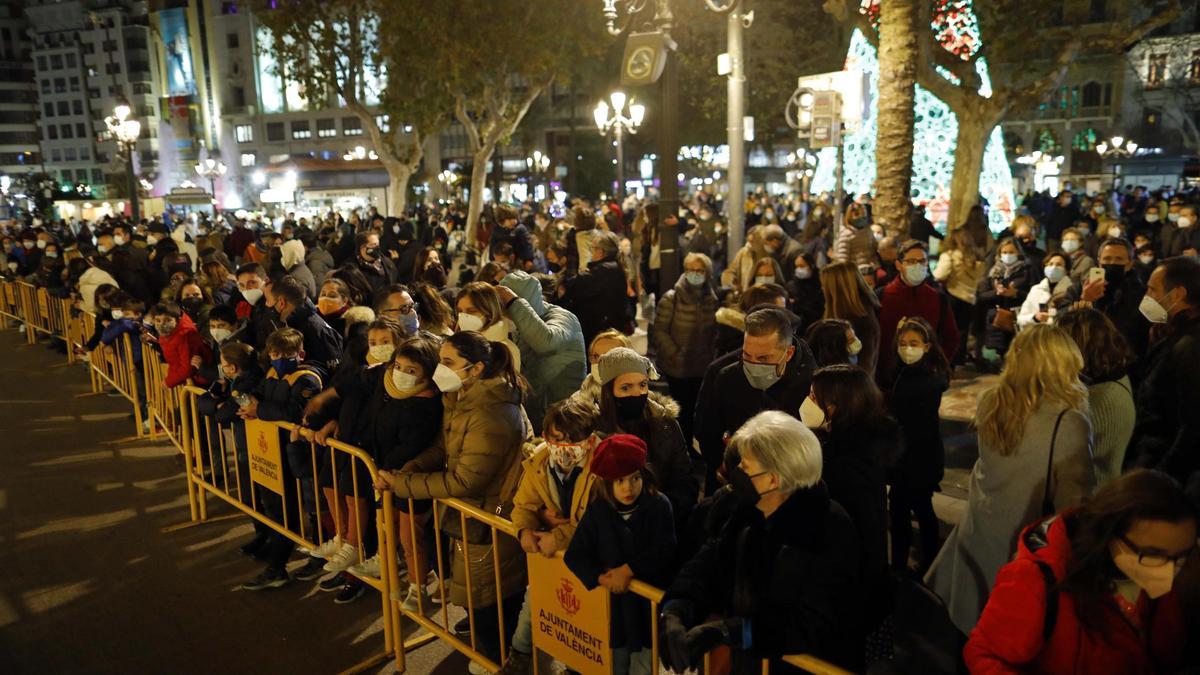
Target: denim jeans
(522, 639)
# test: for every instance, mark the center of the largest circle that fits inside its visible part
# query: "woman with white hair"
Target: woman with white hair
(783, 573)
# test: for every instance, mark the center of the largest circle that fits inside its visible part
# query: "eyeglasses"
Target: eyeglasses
(1152, 557)
(922, 261)
(403, 309)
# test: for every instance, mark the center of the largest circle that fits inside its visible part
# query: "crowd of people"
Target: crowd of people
(762, 455)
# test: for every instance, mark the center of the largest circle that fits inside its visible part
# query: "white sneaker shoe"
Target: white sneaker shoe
(367, 568)
(476, 669)
(416, 595)
(327, 549)
(345, 557)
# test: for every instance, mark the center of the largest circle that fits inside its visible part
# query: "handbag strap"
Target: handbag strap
(1047, 499)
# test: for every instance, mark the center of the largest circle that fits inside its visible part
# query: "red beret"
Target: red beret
(618, 456)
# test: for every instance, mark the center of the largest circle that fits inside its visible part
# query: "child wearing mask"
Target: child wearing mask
(180, 341)
(556, 487)
(280, 397)
(916, 396)
(239, 375)
(126, 315)
(629, 533)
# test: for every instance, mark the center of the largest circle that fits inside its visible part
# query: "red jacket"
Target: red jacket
(1008, 637)
(179, 347)
(899, 301)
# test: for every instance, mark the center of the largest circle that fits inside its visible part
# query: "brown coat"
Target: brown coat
(534, 494)
(482, 434)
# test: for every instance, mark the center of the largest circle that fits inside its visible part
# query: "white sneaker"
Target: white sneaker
(367, 568)
(416, 595)
(476, 669)
(325, 550)
(345, 557)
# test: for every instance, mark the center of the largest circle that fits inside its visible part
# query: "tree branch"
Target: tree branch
(469, 126)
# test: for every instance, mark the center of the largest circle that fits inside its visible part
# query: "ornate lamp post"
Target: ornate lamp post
(449, 180)
(1116, 148)
(538, 165)
(617, 122)
(125, 133)
(212, 169)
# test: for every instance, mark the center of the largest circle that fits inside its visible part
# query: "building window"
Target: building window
(85, 155)
(48, 109)
(352, 126)
(275, 159)
(45, 86)
(74, 84)
(80, 130)
(1156, 73)
(70, 60)
(51, 132)
(237, 97)
(69, 154)
(63, 108)
(56, 61)
(275, 131)
(55, 155)
(301, 130)
(327, 128)
(244, 133)
(231, 40)
(247, 159)
(41, 61)
(66, 131)
(77, 107)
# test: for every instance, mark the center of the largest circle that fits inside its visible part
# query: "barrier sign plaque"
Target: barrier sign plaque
(570, 623)
(262, 445)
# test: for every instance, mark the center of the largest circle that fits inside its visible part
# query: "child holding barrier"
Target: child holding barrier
(281, 396)
(126, 312)
(628, 534)
(238, 375)
(556, 487)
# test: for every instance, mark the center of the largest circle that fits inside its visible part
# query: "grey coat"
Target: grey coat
(1006, 495)
(685, 325)
(319, 263)
(301, 273)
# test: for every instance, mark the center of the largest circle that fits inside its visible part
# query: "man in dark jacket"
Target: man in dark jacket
(254, 306)
(1166, 435)
(513, 233)
(781, 247)
(1118, 295)
(322, 344)
(379, 270)
(597, 295)
(399, 240)
(1062, 216)
(782, 575)
(920, 228)
(774, 373)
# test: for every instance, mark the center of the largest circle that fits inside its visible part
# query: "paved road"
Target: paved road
(88, 580)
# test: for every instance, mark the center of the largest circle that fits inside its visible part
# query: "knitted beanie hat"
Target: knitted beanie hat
(623, 360)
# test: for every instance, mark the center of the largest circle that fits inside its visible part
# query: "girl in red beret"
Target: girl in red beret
(627, 534)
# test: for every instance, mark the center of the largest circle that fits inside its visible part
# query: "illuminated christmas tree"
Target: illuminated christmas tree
(936, 128)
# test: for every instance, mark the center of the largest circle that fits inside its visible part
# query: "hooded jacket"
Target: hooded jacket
(534, 493)
(179, 347)
(550, 340)
(1009, 635)
(292, 258)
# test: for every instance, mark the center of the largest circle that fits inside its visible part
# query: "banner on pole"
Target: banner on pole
(266, 463)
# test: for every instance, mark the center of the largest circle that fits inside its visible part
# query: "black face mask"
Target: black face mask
(1113, 274)
(192, 305)
(372, 253)
(554, 268)
(631, 408)
(743, 487)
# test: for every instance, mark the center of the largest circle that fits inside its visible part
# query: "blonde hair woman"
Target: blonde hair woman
(848, 297)
(1035, 442)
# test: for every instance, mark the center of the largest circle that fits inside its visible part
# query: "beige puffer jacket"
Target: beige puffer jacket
(482, 436)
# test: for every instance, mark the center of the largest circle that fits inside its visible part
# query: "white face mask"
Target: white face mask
(469, 322)
(1070, 245)
(567, 456)
(1151, 217)
(252, 295)
(1184, 222)
(379, 353)
(1153, 310)
(118, 240)
(220, 334)
(1155, 581)
(118, 314)
(151, 240)
(911, 355)
(1146, 259)
(41, 243)
(1008, 258)
(447, 379)
(1173, 217)
(1054, 273)
(811, 414)
(1114, 232)
(760, 280)
(405, 382)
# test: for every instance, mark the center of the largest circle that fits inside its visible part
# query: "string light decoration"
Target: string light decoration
(936, 127)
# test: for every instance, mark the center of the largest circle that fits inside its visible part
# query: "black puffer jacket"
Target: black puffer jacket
(597, 297)
(322, 344)
(916, 396)
(1167, 433)
(794, 576)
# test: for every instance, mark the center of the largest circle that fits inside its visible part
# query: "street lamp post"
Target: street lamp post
(125, 132)
(538, 164)
(1115, 148)
(448, 179)
(619, 124)
(212, 169)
